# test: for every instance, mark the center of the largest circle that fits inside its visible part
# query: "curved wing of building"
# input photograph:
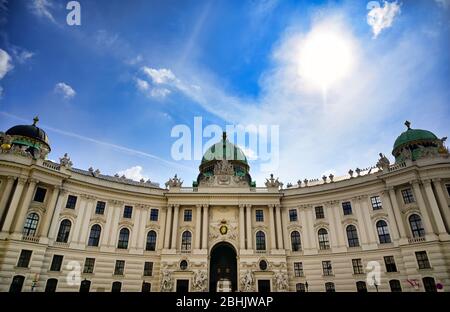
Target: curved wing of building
(383, 228)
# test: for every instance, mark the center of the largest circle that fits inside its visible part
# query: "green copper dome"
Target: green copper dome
(224, 150)
(415, 143)
(413, 135)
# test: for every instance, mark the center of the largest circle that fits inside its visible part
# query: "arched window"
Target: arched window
(300, 287)
(186, 240)
(64, 231)
(429, 284)
(85, 286)
(151, 241)
(94, 236)
(51, 285)
(260, 240)
(383, 232)
(16, 284)
(415, 222)
(324, 243)
(352, 236)
(296, 241)
(116, 287)
(124, 235)
(395, 285)
(31, 223)
(329, 287)
(361, 286)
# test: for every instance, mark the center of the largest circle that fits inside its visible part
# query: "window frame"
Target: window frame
(353, 240)
(377, 204)
(148, 268)
(30, 226)
(71, 202)
(186, 241)
(187, 215)
(298, 269)
(127, 212)
(296, 241)
(151, 246)
(100, 207)
(408, 196)
(56, 266)
(259, 215)
(121, 242)
(36, 194)
(327, 268)
(293, 215)
(24, 258)
(260, 241)
(119, 268)
(324, 239)
(88, 267)
(67, 229)
(94, 241)
(416, 226)
(383, 232)
(347, 208)
(319, 212)
(391, 267)
(357, 266)
(154, 214)
(423, 262)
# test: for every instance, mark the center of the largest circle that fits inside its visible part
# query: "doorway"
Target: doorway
(182, 286)
(223, 266)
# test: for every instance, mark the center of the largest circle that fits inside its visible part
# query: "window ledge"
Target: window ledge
(430, 269)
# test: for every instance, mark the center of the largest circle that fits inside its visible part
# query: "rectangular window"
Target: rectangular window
(71, 202)
(390, 264)
(422, 260)
(347, 208)
(187, 215)
(327, 268)
(376, 202)
(89, 265)
(127, 212)
(24, 258)
(154, 214)
(259, 215)
(148, 269)
(120, 267)
(56, 263)
(319, 212)
(408, 196)
(100, 208)
(298, 269)
(39, 196)
(357, 266)
(293, 215)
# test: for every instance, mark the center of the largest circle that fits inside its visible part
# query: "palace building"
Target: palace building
(68, 229)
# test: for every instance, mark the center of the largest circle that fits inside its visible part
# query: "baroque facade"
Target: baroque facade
(67, 229)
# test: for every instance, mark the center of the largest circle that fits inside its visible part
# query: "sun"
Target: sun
(326, 56)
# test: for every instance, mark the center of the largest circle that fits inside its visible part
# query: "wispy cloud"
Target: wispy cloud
(443, 3)
(381, 17)
(65, 90)
(42, 8)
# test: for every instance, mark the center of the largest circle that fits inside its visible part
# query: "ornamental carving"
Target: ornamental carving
(223, 230)
(166, 280)
(199, 280)
(248, 281)
(174, 182)
(65, 161)
(273, 183)
(281, 281)
(383, 163)
(224, 176)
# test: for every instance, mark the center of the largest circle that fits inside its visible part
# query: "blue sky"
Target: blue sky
(109, 92)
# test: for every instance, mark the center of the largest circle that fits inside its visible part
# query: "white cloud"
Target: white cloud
(381, 17)
(159, 76)
(20, 54)
(42, 8)
(67, 91)
(5, 63)
(134, 173)
(142, 84)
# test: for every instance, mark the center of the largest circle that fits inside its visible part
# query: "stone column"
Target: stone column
(241, 227)
(136, 226)
(310, 219)
(198, 224)
(117, 208)
(434, 208)
(306, 230)
(142, 233)
(397, 213)
(162, 215)
(367, 221)
(23, 208)
(279, 231)
(205, 227)
(341, 241)
(54, 219)
(85, 227)
(168, 227)
(445, 211)
(106, 231)
(333, 222)
(426, 218)
(386, 205)
(79, 221)
(43, 229)
(6, 194)
(13, 205)
(248, 213)
(176, 209)
(362, 230)
(273, 242)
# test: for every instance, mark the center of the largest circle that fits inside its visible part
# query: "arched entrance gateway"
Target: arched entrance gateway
(223, 266)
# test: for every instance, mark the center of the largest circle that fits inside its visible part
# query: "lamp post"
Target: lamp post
(306, 285)
(375, 283)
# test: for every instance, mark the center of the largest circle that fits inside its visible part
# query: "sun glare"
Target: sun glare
(325, 57)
